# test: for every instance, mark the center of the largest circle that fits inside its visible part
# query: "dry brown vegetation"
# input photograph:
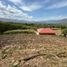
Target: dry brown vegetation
(26, 50)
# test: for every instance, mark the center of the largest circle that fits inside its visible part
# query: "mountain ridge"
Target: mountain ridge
(62, 21)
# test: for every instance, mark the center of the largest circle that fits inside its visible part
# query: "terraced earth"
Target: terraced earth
(30, 50)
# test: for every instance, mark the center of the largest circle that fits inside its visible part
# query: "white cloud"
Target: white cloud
(1, 5)
(28, 6)
(13, 13)
(16, 1)
(58, 5)
(32, 7)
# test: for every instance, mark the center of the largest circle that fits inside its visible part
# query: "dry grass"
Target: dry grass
(22, 50)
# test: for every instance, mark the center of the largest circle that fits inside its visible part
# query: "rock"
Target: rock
(16, 64)
(4, 56)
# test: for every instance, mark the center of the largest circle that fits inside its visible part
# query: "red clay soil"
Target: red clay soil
(46, 31)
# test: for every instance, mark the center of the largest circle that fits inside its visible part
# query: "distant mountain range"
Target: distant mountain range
(14, 20)
(62, 21)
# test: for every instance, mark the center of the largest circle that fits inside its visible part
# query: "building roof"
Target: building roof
(45, 30)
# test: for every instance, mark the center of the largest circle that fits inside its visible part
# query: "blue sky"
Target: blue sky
(33, 9)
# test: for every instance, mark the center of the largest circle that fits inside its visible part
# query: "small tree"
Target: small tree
(64, 32)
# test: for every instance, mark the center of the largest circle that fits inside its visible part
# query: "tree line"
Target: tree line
(5, 26)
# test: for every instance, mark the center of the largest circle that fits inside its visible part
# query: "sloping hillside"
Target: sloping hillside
(23, 50)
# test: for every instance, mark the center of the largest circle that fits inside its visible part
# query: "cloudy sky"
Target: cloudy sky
(33, 9)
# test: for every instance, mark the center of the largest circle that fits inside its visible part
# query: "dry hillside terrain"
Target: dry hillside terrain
(23, 50)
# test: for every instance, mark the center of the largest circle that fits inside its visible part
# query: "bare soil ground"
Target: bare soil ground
(23, 50)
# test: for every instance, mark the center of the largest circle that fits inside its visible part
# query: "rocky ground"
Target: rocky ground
(23, 50)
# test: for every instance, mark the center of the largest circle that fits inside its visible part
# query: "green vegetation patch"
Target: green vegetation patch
(64, 31)
(20, 31)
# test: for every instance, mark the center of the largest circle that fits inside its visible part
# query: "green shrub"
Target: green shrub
(19, 31)
(64, 31)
